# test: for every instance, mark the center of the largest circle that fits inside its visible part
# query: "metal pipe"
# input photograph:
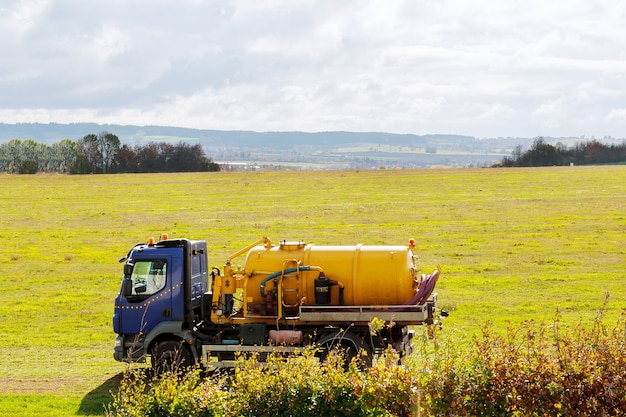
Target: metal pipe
(266, 241)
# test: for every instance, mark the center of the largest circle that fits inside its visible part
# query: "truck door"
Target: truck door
(147, 300)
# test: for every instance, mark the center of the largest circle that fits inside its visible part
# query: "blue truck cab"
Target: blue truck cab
(161, 298)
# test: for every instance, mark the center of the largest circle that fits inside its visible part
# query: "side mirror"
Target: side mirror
(127, 286)
(128, 269)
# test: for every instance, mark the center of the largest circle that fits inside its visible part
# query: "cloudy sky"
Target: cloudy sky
(484, 68)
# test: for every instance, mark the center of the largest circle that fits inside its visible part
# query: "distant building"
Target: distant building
(237, 166)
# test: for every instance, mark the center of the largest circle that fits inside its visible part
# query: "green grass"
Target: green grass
(513, 244)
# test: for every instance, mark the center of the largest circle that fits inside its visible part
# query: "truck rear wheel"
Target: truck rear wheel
(170, 356)
(349, 347)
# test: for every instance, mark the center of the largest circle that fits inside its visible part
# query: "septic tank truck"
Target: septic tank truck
(176, 310)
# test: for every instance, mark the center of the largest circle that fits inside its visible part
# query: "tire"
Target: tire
(348, 352)
(171, 356)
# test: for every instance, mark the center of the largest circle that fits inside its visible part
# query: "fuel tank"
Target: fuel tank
(299, 273)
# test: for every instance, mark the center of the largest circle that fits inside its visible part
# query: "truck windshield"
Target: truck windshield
(148, 277)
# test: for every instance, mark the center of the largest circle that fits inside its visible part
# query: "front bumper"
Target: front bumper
(129, 348)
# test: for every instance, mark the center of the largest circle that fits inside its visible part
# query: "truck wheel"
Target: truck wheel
(170, 356)
(348, 351)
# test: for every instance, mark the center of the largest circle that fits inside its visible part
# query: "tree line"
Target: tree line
(583, 153)
(101, 154)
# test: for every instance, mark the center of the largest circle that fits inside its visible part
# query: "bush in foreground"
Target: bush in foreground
(532, 370)
(298, 385)
(169, 394)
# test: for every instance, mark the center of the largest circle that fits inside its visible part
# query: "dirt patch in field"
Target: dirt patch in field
(56, 385)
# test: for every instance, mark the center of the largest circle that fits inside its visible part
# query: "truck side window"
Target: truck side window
(196, 265)
(148, 277)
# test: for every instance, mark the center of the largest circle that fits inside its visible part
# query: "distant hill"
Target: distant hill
(54, 132)
(334, 150)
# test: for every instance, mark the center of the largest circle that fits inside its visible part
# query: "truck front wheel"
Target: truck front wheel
(170, 356)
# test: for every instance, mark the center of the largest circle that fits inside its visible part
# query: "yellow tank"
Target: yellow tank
(330, 275)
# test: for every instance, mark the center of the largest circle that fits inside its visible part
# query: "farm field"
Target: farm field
(513, 245)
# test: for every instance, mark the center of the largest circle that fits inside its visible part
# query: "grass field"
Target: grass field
(513, 244)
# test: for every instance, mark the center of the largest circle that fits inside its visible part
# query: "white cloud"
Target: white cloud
(20, 16)
(479, 68)
(617, 115)
(109, 41)
(551, 111)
